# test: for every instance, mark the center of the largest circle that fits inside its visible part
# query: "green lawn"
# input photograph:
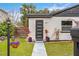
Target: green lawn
(25, 48)
(63, 48)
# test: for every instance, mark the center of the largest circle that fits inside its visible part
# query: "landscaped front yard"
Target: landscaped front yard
(24, 49)
(62, 48)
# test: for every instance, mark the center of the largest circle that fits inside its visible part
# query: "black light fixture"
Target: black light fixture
(8, 36)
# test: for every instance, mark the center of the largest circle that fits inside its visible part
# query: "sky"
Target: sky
(16, 6)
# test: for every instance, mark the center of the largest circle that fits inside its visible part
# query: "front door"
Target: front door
(39, 30)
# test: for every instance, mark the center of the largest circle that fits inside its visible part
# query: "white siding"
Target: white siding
(3, 16)
(50, 24)
(57, 20)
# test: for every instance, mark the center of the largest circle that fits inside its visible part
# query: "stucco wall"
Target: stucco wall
(50, 24)
(3, 16)
(32, 26)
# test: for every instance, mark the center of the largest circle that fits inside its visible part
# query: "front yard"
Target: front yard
(25, 48)
(62, 48)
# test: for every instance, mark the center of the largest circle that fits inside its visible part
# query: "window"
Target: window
(66, 26)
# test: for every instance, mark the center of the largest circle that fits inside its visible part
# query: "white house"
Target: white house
(62, 20)
(3, 15)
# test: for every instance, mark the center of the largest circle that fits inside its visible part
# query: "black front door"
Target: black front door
(39, 30)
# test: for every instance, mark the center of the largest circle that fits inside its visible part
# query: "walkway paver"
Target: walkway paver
(39, 49)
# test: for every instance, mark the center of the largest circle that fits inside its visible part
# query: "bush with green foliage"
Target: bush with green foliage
(3, 29)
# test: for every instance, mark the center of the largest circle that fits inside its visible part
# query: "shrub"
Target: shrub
(3, 29)
(15, 44)
(30, 39)
(47, 39)
(2, 38)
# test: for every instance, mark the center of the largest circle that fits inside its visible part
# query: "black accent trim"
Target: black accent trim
(39, 38)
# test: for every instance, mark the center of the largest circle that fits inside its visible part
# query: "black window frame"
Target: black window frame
(66, 26)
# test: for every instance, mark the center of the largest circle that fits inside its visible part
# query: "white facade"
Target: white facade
(4, 15)
(50, 24)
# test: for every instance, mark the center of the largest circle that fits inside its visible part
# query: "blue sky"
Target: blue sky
(50, 6)
(14, 8)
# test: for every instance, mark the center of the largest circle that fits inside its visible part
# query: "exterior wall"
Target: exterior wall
(50, 24)
(32, 26)
(3, 16)
(57, 24)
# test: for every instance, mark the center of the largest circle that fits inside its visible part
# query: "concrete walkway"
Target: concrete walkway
(39, 49)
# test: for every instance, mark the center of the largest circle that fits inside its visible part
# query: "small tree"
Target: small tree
(3, 29)
(46, 11)
(26, 9)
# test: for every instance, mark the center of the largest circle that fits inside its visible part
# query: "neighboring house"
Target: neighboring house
(4, 15)
(62, 20)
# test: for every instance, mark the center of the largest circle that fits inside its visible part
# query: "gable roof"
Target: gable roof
(72, 11)
(65, 12)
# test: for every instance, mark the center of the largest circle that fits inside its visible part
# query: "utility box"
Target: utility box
(75, 38)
